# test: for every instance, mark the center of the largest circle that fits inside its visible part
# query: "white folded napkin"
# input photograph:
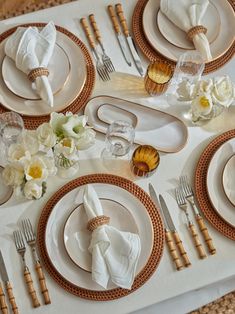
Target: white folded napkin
(31, 49)
(186, 14)
(114, 253)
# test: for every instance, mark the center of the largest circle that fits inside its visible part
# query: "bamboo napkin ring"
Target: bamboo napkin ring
(195, 31)
(33, 74)
(97, 221)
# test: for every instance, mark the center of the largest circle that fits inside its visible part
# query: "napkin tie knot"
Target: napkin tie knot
(34, 73)
(97, 221)
(195, 31)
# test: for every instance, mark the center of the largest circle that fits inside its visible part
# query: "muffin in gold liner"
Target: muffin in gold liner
(145, 161)
(157, 78)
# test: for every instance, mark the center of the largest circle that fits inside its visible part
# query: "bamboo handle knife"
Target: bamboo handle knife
(122, 19)
(3, 304)
(11, 298)
(172, 250)
(181, 249)
(114, 19)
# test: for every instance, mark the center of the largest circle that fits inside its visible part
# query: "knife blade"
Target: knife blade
(169, 239)
(166, 213)
(7, 283)
(119, 34)
(129, 39)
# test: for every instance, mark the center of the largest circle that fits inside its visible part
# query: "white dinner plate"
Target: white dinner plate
(5, 191)
(152, 127)
(55, 228)
(215, 189)
(228, 179)
(177, 37)
(20, 85)
(63, 98)
(220, 45)
(77, 237)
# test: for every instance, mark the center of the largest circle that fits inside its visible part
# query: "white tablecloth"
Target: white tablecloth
(168, 291)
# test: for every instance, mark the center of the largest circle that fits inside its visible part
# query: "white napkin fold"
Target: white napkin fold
(31, 49)
(114, 253)
(186, 14)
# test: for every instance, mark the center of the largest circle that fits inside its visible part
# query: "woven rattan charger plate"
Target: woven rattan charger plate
(81, 99)
(158, 237)
(153, 55)
(201, 190)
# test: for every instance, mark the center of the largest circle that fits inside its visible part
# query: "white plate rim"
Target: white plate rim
(223, 174)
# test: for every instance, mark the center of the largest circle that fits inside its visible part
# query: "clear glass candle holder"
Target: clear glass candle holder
(11, 126)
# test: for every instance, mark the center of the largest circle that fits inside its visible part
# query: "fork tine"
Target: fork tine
(25, 230)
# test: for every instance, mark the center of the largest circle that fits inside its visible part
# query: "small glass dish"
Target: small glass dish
(145, 161)
(157, 78)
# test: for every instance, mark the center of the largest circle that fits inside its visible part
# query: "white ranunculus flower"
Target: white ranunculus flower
(201, 106)
(46, 135)
(30, 141)
(33, 189)
(57, 120)
(74, 126)
(223, 92)
(66, 147)
(86, 140)
(13, 174)
(16, 152)
(36, 169)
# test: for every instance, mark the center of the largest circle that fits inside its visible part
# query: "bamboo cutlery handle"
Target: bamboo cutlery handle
(122, 19)
(30, 287)
(196, 241)
(11, 298)
(181, 249)
(114, 19)
(205, 233)
(95, 28)
(42, 283)
(172, 250)
(87, 32)
(3, 304)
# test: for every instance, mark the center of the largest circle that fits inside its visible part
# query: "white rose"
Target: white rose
(86, 140)
(201, 107)
(30, 141)
(13, 174)
(46, 135)
(32, 189)
(223, 92)
(16, 152)
(36, 169)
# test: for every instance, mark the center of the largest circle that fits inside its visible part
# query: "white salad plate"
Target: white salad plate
(153, 127)
(54, 233)
(218, 47)
(215, 188)
(77, 237)
(177, 37)
(19, 84)
(64, 97)
(228, 179)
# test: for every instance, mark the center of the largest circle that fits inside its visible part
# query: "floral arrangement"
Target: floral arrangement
(208, 97)
(38, 154)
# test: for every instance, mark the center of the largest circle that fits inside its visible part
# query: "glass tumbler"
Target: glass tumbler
(119, 139)
(11, 126)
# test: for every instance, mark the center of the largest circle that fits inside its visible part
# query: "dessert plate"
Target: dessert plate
(5, 191)
(64, 207)
(153, 127)
(177, 37)
(219, 46)
(228, 179)
(63, 98)
(77, 237)
(215, 189)
(19, 84)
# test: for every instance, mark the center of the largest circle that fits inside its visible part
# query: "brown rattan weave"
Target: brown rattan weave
(200, 186)
(158, 237)
(152, 55)
(32, 122)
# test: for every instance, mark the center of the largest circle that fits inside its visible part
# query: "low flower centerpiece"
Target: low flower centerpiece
(208, 97)
(49, 150)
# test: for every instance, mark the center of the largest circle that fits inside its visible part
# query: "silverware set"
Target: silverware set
(30, 237)
(184, 196)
